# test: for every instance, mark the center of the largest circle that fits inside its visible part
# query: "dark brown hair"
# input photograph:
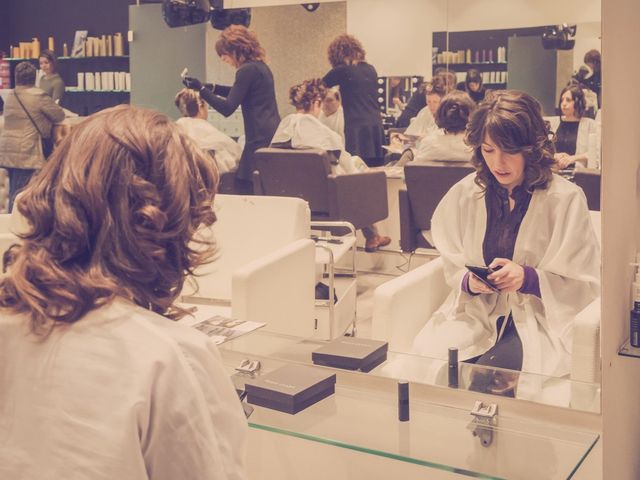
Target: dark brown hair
(345, 50)
(51, 56)
(112, 214)
(577, 94)
(473, 76)
(25, 74)
(453, 112)
(304, 94)
(513, 121)
(188, 102)
(240, 43)
(593, 57)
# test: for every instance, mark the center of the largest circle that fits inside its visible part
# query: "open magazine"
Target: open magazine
(219, 327)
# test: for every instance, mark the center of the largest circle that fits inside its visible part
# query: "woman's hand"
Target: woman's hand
(564, 159)
(476, 286)
(509, 277)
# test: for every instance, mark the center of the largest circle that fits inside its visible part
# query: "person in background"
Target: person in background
(534, 230)
(591, 77)
(51, 81)
(397, 94)
(425, 122)
(29, 117)
(1, 114)
(447, 143)
(472, 85)
(97, 380)
(252, 89)
(194, 122)
(302, 130)
(332, 114)
(575, 134)
(357, 80)
(416, 102)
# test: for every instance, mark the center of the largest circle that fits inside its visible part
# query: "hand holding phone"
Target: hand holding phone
(481, 273)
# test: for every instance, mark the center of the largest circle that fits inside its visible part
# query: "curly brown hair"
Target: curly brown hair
(453, 112)
(345, 50)
(513, 121)
(112, 214)
(304, 94)
(242, 44)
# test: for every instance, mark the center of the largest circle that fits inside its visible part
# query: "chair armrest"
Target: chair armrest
(402, 306)
(278, 289)
(359, 198)
(408, 230)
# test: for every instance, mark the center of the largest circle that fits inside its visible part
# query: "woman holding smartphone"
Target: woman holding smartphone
(252, 89)
(533, 229)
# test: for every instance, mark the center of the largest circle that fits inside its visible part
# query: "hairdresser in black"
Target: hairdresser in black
(253, 90)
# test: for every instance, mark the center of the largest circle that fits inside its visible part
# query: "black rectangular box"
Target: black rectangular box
(352, 353)
(291, 388)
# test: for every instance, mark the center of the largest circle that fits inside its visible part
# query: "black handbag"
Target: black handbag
(47, 142)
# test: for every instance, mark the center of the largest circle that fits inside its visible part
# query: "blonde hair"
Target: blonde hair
(188, 102)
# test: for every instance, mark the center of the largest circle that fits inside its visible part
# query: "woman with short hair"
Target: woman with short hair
(252, 89)
(357, 80)
(96, 379)
(533, 229)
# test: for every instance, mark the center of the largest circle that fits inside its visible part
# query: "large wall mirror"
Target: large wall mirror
(409, 39)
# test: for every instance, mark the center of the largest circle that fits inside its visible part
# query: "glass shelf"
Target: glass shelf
(626, 350)
(15, 59)
(562, 392)
(362, 416)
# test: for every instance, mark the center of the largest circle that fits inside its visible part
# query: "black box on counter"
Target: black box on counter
(291, 388)
(352, 353)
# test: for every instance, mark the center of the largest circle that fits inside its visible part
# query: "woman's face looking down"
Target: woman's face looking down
(507, 168)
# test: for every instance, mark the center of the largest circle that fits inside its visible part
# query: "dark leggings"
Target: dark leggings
(506, 353)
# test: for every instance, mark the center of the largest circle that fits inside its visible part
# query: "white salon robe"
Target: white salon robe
(556, 238)
(335, 121)
(208, 137)
(438, 145)
(422, 124)
(121, 394)
(306, 131)
(588, 139)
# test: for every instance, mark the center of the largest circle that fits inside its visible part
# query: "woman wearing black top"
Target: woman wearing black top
(252, 89)
(358, 83)
(473, 85)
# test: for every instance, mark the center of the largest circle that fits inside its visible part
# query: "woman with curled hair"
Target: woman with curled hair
(303, 129)
(225, 151)
(447, 143)
(357, 80)
(533, 230)
(575, 134)
(252, 89)
(94, 374)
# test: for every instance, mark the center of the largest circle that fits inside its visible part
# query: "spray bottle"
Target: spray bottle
(634, 333)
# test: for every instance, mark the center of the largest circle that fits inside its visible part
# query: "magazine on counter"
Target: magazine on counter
(218, 326)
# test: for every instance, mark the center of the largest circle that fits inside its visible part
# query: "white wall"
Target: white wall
(620, 239)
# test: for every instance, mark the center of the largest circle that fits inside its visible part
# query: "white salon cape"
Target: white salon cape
(304, 130)
(588, 140)
(441, 146)
(208, 137)
(556, 237)
(422, 124)
(121, 394)
(335, 121)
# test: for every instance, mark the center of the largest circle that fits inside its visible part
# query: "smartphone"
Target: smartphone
(482, 272)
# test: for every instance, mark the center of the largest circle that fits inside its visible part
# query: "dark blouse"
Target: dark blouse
(416, 103)
(566, 137)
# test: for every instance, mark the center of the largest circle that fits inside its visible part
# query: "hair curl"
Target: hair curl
(242, 44)
(579, 101)
(345, 50)
(112, 214)
(188, 102)
(51, 56)
(513, 121)
(25, 74)
(453, 112)
(303, 95)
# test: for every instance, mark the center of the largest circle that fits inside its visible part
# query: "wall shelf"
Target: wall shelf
(626, 350)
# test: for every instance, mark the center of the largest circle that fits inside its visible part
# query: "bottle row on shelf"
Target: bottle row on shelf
(485, 55)
(102, 82)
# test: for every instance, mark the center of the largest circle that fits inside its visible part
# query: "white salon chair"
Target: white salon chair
(265, 264)
(403, 305)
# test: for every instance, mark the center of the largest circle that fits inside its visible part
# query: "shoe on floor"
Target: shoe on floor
(372, 244)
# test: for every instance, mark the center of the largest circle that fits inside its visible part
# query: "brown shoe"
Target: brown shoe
(383, 241)
(372, 244)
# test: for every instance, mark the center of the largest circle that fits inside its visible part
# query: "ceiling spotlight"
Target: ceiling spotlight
(310, 7)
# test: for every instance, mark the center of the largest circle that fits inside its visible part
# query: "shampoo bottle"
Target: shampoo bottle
(634, 333)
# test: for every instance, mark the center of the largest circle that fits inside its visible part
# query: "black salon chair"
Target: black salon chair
(426, 184)
(589, 180)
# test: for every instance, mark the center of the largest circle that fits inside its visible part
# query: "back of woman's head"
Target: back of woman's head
(303, 95)
(592, 57)
(188, 102)
(579, 100)
(111, 214)
(25, 74)
(453, 112)
(239, 42)
(345, 50)
(513, 121)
